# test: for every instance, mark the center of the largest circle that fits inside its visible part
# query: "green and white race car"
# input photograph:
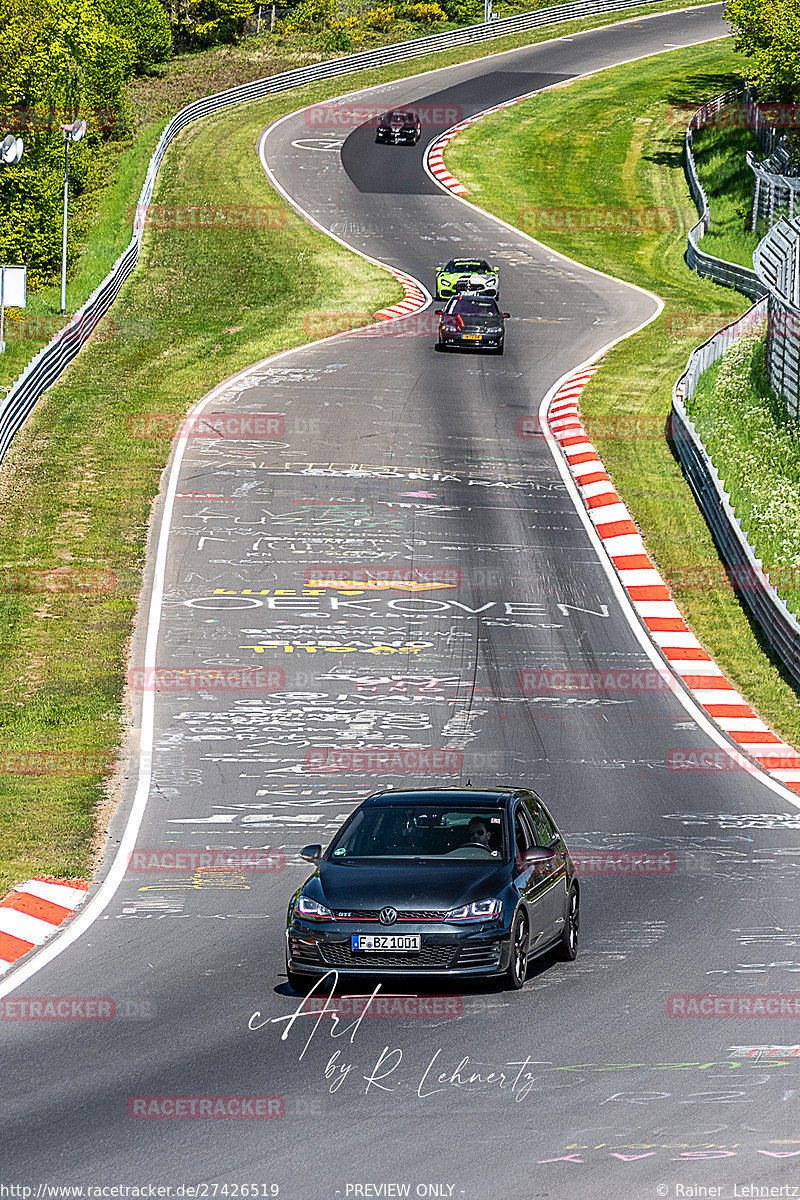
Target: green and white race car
(472, 275)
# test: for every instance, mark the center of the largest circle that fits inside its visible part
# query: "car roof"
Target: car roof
(487, 302)
(464, 797)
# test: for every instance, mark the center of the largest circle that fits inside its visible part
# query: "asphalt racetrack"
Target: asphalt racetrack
(390, 454)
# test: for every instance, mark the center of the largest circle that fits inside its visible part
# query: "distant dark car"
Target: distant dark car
(456, 882)
(472, 321)
(399, 126)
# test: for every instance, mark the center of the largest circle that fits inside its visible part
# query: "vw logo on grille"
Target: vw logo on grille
(387, 916)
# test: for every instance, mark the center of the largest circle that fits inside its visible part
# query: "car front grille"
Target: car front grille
(405, 914)
(339, 954)
(485, 955)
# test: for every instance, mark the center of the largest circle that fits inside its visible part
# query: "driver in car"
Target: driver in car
(477, 833)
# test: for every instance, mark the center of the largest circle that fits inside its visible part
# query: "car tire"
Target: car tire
(500, 348)
(297, 981)
(518, 966)
(568, 946)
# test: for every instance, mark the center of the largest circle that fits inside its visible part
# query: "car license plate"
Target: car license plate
(472, 337)
(391, 942)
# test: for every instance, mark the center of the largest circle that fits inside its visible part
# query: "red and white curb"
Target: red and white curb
(434, 160)
(33, 911)
(413, 301)
(651, 598)
(434, 155)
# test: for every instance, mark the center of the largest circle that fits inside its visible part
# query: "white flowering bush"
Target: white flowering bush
(755, 447)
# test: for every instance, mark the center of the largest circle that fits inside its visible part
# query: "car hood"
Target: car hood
(369, 883)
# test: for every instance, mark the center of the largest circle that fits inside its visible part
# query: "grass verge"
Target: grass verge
(756, 448)
(617, 147)
(719, 154)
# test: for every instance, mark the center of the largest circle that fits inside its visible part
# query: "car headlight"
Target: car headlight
(494, 329)
(312, 910)
(481, 910)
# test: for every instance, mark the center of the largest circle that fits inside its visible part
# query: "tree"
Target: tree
(199, 23)
(768, 33)
(58, 59)
(145, 25)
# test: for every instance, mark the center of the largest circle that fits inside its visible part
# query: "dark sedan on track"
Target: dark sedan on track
(472, 321)
(456, 882)
(399, 126)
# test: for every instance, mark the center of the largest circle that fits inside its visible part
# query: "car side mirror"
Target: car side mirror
(538, 857)
(312, 854)
(506, 316)
(438, 312)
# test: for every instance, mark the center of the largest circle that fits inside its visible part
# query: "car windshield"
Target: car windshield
(412, 832)
(399, 116)
(474, 306)
(467, 264)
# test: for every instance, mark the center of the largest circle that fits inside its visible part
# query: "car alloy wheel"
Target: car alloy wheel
(568, 946)
(518, 966)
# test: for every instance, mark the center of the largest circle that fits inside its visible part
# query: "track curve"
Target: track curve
(391, 454)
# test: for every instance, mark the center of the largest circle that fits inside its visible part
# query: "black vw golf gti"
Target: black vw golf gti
(445, 882)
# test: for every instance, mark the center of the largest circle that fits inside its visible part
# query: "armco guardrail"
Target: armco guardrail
(777, 266)
(728, 274)
(780, 627)
(776, 183)
(43, 370)
(777, 263)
